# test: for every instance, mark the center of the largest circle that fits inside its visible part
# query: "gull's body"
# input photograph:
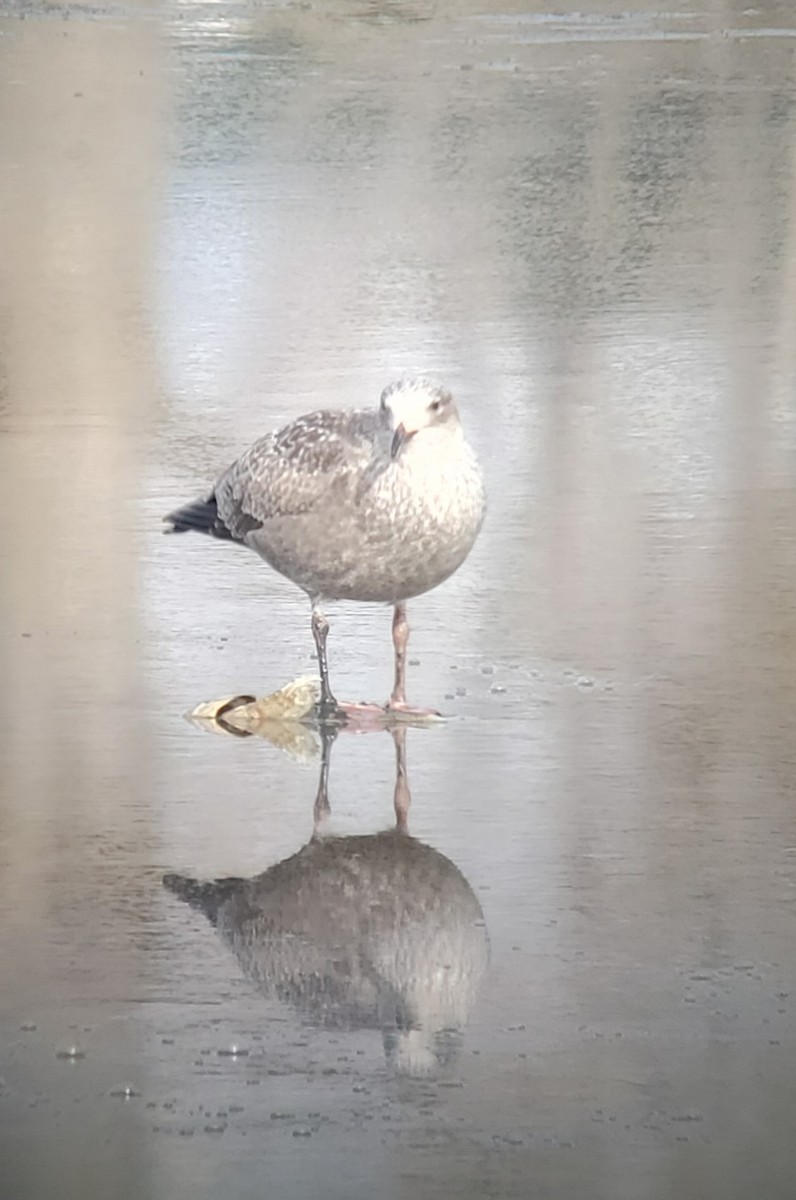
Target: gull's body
(371, 505)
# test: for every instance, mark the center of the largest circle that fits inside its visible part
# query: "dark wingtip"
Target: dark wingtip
(173, 526)
(206, 897)
(201, 516)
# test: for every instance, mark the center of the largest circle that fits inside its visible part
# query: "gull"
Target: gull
(374, 505)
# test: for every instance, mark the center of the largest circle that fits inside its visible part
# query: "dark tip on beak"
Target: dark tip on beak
(398, 439)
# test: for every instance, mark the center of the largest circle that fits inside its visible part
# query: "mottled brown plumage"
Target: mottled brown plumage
(371, 505)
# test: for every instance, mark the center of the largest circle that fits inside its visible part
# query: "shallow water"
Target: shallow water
(574, 976)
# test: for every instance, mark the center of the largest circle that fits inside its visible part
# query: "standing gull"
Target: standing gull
(375, 505)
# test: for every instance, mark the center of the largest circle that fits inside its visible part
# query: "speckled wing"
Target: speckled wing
(318, 458)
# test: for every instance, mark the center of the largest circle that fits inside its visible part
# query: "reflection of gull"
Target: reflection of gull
(377, 505)
(375, 931)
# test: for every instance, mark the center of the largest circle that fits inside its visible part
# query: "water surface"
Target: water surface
(213, 217)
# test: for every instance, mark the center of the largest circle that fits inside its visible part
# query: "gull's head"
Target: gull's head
(417, 409)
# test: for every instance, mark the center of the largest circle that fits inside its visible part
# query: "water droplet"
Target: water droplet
(497, 690)
(219, 1128)
(28, 1026)
(583, 681)
(232, 1051)
(125, 1090)
(71, 1051)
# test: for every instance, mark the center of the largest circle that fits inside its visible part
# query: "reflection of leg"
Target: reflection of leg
(327, 706)
(322, 807)
(400, 639)
(402, 797)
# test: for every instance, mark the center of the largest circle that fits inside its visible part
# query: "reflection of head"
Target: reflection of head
(374, 931)
(421, 1051)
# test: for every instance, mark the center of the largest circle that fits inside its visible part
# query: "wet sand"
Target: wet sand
(570, 972)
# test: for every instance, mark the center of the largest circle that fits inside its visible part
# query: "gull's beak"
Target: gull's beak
(399, 438)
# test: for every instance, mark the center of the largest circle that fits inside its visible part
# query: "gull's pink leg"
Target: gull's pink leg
(400, 640)
(364, 717)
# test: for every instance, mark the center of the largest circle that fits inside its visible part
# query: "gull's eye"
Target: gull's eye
(435, 405)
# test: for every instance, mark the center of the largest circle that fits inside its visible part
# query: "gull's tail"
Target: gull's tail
(201, 516)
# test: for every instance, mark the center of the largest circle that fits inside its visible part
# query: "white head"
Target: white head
(418, 409)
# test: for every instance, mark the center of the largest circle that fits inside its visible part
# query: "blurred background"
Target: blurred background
(213, 217)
